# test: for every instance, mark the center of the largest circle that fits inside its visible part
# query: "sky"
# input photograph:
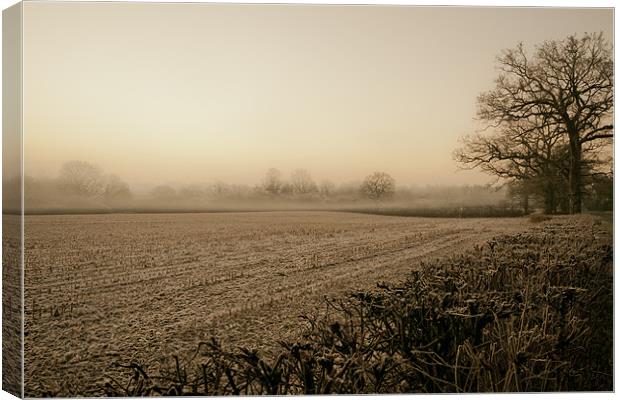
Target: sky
(195, 93)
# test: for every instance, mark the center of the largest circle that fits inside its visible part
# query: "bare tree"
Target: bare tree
(326, 188)
(302, 182)
(567, 84)
(116, 190)
(272, 183)
(219, 190)
(521, 192)
(378, 186)
(526, 154)
(81, 178)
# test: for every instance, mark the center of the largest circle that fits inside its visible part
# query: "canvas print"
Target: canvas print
(285, 199)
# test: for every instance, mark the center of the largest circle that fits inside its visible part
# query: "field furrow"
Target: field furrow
(106, 288)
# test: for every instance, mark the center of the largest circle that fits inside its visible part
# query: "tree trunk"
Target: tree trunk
(574, 177)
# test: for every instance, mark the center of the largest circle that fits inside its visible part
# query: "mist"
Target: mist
(80, 186)
(188, 108)
(222, 92)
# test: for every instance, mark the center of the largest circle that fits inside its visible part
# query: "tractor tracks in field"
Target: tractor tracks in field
(363, 272)
(159, 289)
(268, 317)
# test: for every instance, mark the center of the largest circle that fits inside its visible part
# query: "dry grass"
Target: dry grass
(536, 218)
(523, 313)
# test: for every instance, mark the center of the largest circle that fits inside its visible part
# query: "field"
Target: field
(530, 312)
(106, 288)
(11, 305)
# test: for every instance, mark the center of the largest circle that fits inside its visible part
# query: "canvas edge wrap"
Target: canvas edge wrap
(12, 202)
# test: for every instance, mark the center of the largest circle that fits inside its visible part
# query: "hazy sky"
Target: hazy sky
(197, 93)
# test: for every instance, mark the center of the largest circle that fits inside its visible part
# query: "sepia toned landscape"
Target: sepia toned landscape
(227, 199)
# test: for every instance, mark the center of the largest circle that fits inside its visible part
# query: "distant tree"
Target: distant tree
(287, 189)
(567, 86)
(116, 190)
(272, 183)
(239, 192)
(219, 189)
(518, 193)
(81, 178)
(302, 182)
(326, 188)
(378, 186)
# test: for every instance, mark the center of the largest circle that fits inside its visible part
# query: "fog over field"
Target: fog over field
(271, 199)
(82, 187)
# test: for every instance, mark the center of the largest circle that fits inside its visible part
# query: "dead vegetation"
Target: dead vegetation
(523, 313)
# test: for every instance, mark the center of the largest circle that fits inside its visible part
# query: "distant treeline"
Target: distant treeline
(81, 187)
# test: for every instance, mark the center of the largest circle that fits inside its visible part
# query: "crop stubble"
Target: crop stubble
(104, 288)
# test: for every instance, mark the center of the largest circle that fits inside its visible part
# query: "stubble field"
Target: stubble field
(143, 287)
